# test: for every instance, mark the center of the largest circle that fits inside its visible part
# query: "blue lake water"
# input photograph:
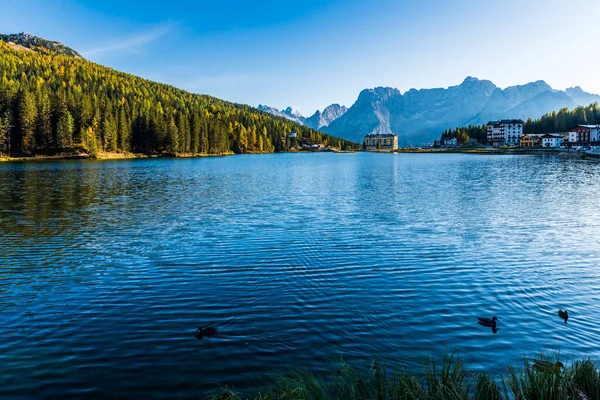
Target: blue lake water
(107, 268)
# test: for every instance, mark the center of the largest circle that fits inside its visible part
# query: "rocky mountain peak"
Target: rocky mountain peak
(24, 40)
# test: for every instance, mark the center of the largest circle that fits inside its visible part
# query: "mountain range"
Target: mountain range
(316, 121)
(419, 116)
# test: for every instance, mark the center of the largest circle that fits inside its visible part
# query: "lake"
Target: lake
(108, 267)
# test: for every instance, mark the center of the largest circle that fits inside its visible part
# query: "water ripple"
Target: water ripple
(109, 267)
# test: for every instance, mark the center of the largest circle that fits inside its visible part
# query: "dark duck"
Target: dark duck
(547, 367)
(564, 315)
(489, 322)
(205, 332)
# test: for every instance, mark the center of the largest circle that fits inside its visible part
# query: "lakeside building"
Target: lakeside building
(386, 141)
(452, 142)
(584, 134)
(552, 140)
(506, 132)
(531, 140)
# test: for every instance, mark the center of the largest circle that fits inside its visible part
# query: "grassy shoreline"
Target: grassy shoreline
(466, 150)
(128, 156)
(579, 380)
(106, 156)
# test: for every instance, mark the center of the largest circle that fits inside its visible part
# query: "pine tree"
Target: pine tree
(91, 141)
(43, 121)
(172, 140)
(26, 113)
(65, 130)
(123, 131)
(195, 134)
(5, 127)
(64, 125)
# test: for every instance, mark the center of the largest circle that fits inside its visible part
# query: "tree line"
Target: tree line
(462, 135)
(564, 119)
(556, 121)
(52, 103)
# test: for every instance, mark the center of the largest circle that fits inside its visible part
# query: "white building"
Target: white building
(584, 134)
(552, 140)
(387, 141)
(450, 142)
(506, 132)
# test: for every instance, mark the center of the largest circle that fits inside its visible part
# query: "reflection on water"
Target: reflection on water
(108, 268)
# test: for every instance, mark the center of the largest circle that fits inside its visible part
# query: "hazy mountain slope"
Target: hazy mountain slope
(580, 97)
(318, 120)
(508, 98)
(288, 113)
(327, 116)
(541, 104)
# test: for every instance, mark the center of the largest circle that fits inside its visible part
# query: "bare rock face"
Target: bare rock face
(288, 113)
(320, 119)
(24, 40)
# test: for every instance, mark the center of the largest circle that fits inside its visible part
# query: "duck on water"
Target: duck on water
(489, 322)
(206, 332)
(547, 366)
(564, 315)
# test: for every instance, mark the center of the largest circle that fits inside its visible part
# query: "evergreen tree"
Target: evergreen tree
(5, 126)
(43, 121)
(123, 131)
(65, 129)
(195, 134)
(64, 125)
(172, 139)
(26, 113)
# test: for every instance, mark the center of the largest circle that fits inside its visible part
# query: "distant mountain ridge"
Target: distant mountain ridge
(317, 121)
(419, 116)
(24, 40)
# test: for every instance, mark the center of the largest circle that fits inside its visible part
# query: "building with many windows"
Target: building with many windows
(584, 134)
(552, 140)
(450, 142)
(506, 132)
(386, 141)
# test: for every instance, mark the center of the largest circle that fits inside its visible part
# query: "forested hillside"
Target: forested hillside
(52, 103)
(564, 119)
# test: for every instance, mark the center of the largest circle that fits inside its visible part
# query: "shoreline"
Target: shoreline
(106, 156)
(469, 150)
(132, 156)
(492, 151)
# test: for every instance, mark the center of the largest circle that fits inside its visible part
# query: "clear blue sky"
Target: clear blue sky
(311, 53)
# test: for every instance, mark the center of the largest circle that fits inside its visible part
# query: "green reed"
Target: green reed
(445, 380)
